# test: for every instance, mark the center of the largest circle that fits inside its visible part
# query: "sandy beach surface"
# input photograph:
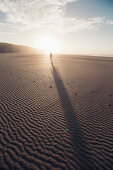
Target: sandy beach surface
(56, 115)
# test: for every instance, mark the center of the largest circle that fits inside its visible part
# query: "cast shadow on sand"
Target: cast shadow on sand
(79, 142)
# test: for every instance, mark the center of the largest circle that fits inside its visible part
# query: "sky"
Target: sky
(68, 26)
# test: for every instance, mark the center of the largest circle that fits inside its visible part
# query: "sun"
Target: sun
(48, 43)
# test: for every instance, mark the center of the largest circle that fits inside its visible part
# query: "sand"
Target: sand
(56, 115)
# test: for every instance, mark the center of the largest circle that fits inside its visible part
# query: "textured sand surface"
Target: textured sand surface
(56, 115)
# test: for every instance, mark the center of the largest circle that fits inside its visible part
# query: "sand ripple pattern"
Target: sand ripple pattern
(44, 125)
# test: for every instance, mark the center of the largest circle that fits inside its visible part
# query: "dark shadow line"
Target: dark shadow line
(79, 142)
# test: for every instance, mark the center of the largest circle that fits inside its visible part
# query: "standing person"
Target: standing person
(51, 56)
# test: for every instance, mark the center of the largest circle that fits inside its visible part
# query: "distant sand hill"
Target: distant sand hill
(11, 48)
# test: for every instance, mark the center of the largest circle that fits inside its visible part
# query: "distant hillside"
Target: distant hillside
(11, 48)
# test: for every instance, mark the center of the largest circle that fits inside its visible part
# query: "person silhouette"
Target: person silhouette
(51, 56)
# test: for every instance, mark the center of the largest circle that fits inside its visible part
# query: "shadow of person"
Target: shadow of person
(79, 142)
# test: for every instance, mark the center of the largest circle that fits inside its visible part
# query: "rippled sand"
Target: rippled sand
(56, 115)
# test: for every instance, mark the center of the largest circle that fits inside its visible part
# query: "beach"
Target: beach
(56, 115)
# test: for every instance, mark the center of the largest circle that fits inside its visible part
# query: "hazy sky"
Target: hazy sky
(80, 26)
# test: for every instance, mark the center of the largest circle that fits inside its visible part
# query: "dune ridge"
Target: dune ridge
(12, 48)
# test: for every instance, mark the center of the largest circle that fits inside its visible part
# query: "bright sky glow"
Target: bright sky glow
(63, 26)
(48, 43)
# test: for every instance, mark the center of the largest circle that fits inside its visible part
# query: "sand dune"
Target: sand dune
(12, 48)
(56, 115)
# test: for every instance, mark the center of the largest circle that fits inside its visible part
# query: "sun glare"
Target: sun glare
(48, 43)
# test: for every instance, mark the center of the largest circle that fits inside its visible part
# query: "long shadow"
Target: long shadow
(79, 143)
